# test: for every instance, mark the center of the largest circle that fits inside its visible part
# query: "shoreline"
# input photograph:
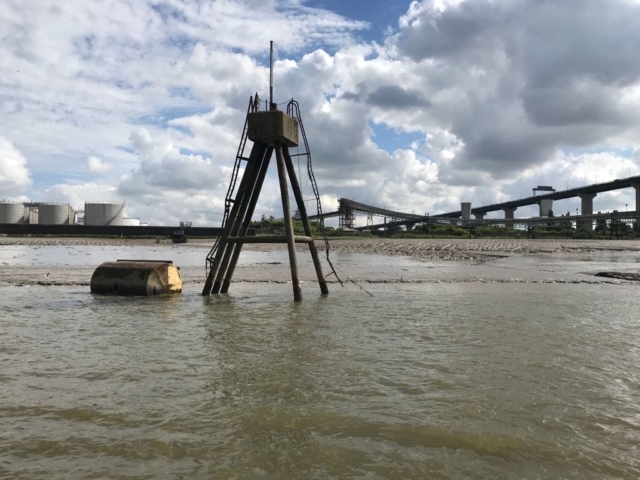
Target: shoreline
(400, 246)
(366, 261)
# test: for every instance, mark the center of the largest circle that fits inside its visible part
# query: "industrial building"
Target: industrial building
(48, 218)
(50, 213)
(131, 222)
(37, 213)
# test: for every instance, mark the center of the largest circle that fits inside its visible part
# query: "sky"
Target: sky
(410, 105)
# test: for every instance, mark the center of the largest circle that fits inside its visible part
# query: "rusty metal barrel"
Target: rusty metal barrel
(136, 277)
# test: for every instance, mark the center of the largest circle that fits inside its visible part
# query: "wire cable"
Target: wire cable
(348, 278)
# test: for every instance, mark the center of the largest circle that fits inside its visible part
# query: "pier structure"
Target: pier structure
(636, 186)
(465, 208)
(272, 132)
(586, 202)
(584, 220)
(586, 193)
(509, 212)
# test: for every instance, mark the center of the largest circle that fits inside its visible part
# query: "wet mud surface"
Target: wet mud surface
(54, 261)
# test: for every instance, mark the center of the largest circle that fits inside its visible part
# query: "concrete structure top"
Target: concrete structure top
(270, 127)
(587, 195)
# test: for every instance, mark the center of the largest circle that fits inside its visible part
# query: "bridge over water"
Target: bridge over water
(348, 208)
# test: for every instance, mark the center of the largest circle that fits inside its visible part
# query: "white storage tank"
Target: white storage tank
(30, 214)
(11, 212)
(104, 213)
(131, 222)
(53, 214)
(33, 216)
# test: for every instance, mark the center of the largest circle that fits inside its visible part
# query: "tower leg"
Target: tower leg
(305, 220)
(237, 248)
(284, 192)
(242, 190)
(237, 222)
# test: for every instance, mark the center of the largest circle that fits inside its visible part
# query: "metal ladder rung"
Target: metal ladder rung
(232, 183)
(269, 239)
(244, 158)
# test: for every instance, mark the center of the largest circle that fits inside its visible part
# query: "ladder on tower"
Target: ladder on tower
(254, 104)
(293, 110)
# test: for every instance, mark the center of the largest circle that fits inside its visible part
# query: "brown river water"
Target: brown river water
(458, 379)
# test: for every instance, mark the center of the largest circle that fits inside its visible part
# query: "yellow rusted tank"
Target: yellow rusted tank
(136, 277)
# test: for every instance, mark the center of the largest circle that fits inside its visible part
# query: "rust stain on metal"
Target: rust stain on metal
(136, 277)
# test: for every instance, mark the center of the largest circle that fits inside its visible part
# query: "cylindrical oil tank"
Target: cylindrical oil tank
(33, 216)
(103, 213)
(131, 222)
(136, 277)
(53, 214)
(11, 212)
(30, 214)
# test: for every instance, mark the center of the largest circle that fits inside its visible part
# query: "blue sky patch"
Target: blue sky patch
(127, 149)
(390, 139)
(204, 154)
(43, 180)
(167, 13)
(380, 15)
(620, 151)
(161, 118)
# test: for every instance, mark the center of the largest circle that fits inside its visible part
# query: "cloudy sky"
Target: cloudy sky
(414, 106)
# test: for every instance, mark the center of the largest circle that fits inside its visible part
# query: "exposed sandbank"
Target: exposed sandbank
(424, 261)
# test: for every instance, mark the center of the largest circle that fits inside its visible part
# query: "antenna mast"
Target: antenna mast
(271, 77)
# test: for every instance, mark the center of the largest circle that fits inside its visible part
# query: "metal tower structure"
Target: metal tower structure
(347, 219)
(270, 131)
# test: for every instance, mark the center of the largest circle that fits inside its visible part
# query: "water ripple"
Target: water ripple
(419, 381)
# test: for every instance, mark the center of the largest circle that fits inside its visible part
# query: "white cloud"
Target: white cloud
(95, 165)
(77, 194)
(496, 89)
(516, 80)
(15, 177)
(83, 74)
(163, 167)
